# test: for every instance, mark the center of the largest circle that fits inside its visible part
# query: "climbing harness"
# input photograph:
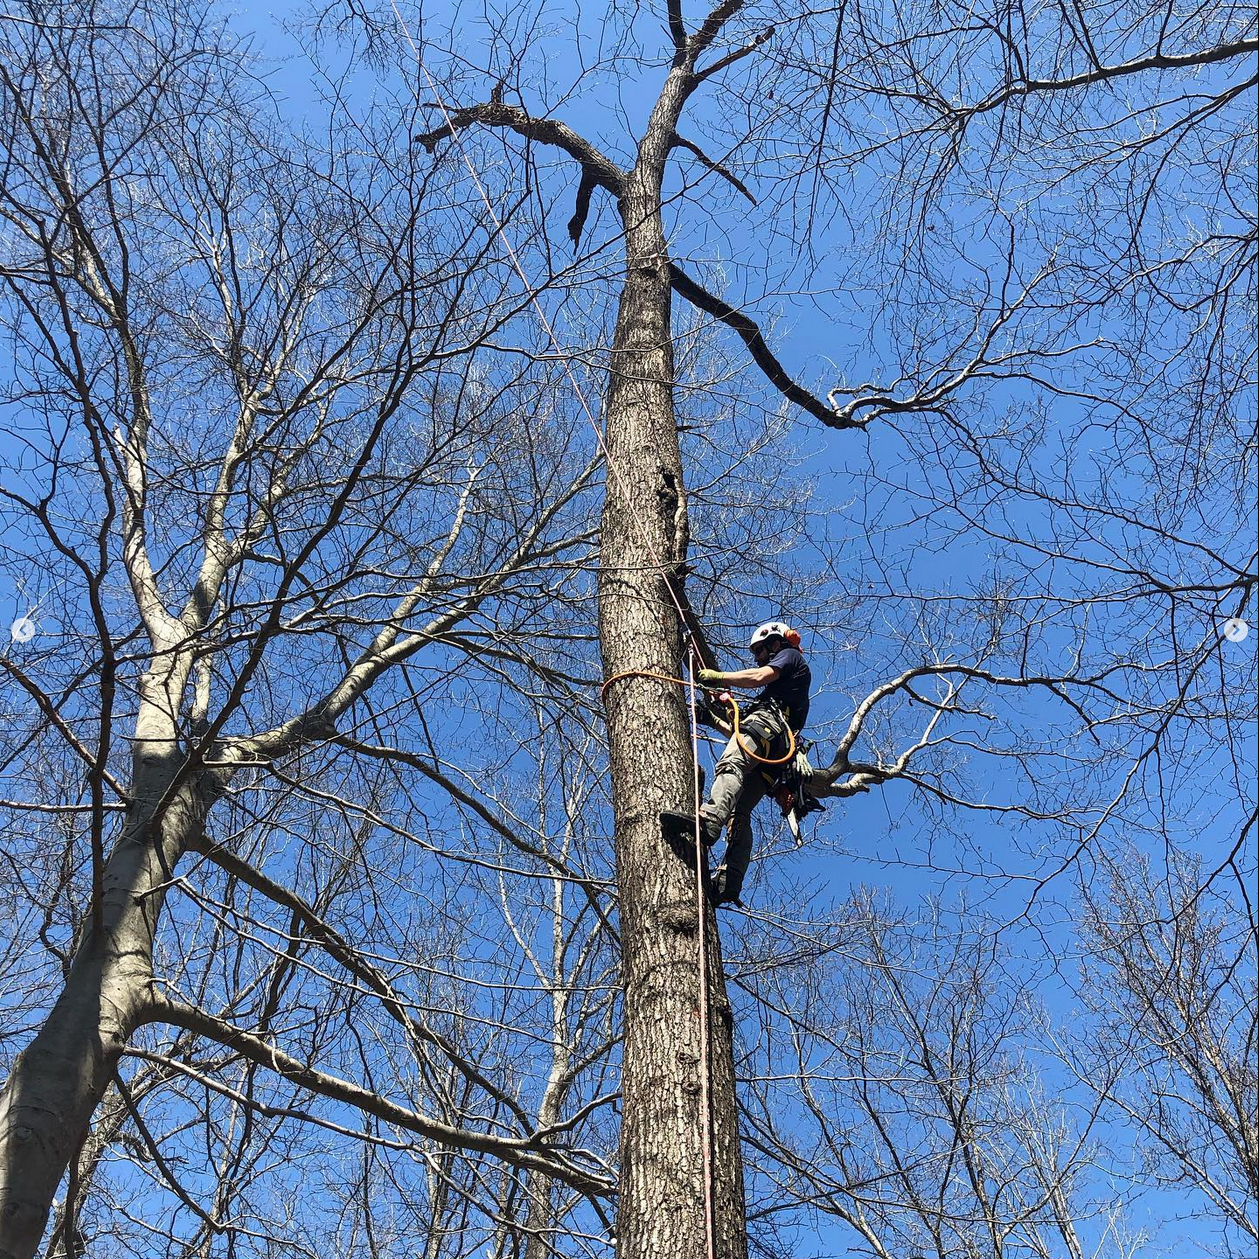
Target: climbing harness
(763, 760)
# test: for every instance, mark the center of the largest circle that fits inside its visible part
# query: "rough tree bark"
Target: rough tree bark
(661, 1175)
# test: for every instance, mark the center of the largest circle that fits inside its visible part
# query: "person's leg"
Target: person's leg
(733, 768)
(728, 883)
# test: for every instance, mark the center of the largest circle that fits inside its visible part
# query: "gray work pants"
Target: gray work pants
(738, 786)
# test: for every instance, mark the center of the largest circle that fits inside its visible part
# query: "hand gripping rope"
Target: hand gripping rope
(705, 1053)
(728, 698)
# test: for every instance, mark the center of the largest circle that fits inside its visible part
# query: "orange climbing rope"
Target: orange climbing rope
(638, 673)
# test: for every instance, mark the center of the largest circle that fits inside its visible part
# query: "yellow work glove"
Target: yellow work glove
(711, 677)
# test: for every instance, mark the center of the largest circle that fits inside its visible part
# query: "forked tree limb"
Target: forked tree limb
(600, 171)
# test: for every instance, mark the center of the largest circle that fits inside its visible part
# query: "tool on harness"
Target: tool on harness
(791, 793)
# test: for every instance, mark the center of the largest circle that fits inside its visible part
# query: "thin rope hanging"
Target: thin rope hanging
(705, 1052)
(701, 933)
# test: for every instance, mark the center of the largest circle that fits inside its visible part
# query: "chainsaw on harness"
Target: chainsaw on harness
(789, 791)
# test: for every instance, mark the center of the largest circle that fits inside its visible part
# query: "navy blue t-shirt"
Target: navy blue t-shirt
(791, 686)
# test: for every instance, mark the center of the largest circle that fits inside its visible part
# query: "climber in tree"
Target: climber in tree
(740, 780)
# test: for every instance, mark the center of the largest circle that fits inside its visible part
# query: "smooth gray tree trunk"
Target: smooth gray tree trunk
(59, 1079)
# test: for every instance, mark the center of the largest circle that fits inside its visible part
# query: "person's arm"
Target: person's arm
(763, 675)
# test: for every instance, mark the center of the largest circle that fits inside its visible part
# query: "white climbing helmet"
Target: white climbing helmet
(774, 629)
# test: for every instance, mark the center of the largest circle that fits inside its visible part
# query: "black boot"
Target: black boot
(680, 828)
(726, 886)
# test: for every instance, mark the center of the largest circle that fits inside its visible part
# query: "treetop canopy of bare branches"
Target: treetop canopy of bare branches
(312, 937)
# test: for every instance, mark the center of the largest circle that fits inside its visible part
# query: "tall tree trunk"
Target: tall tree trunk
(60, 1077)
(662, 1191)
